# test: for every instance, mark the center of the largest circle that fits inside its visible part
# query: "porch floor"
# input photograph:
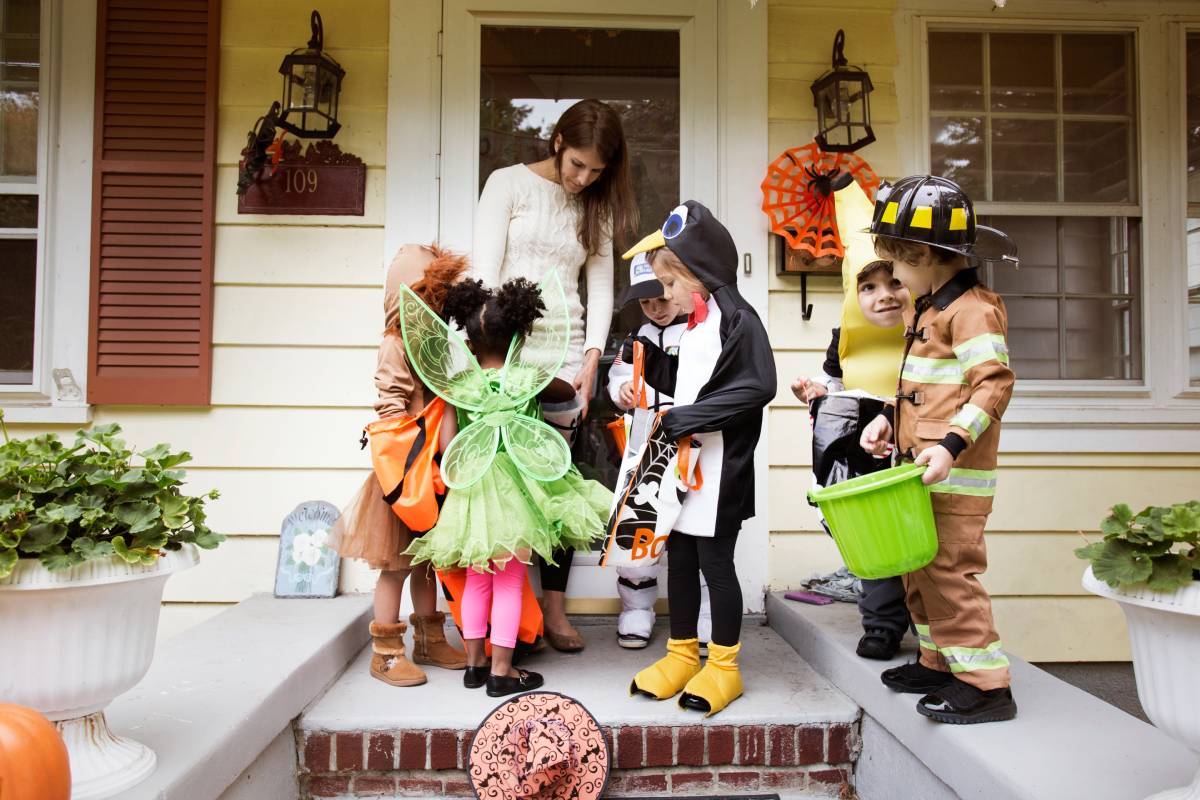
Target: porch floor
(791, 733)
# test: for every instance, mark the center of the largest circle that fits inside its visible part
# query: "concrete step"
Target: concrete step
(1064, 743)
(792, 732)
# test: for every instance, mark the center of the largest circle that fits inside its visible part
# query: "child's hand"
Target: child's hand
(939, 460)
(807, 390)
(625, 396)
(877, 436)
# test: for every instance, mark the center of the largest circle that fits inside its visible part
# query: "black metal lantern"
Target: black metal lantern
(311, 84)
(842, 97)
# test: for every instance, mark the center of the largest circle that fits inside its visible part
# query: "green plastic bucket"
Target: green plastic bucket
(882, 523)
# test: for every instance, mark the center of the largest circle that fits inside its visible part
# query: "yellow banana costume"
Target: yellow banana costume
(870, 356)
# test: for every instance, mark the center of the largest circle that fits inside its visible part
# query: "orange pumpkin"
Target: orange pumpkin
(33, 758)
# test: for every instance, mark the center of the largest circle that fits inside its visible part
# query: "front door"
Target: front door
(509, 69)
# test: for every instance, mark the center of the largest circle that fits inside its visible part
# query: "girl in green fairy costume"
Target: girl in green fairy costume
(513, 489)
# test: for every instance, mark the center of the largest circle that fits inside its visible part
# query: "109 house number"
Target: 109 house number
(300, 181)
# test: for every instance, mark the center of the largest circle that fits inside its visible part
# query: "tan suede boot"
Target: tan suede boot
(430, 645)
(388, 662)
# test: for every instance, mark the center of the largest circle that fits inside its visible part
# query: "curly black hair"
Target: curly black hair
(492, 318)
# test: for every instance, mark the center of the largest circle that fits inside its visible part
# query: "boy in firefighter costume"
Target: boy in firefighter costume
(955, 384)
(861, 367)
(399, 499)
(722, 379)
(665, 324)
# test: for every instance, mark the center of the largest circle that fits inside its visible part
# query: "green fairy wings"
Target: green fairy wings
(496, 405)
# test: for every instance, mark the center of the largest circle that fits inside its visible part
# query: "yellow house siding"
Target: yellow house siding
(1044, 499)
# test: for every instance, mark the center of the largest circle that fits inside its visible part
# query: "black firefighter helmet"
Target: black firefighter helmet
(934, 211)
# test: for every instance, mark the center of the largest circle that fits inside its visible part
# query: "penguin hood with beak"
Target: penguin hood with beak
(699, 240)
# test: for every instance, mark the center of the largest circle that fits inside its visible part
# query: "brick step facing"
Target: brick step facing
(815, 759)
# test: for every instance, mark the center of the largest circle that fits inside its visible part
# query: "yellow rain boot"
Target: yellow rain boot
(718, 684)
(665, 677)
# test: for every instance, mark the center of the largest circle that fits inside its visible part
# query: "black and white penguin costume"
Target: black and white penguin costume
(722, 379)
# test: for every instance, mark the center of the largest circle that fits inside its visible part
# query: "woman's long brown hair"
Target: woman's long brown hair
(591, 123)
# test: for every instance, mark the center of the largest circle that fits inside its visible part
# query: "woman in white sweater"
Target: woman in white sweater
(560, 214)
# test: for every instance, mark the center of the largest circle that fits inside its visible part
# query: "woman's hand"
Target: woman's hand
(876, 437)
(939, 460)
(586, 378)
(807, 390)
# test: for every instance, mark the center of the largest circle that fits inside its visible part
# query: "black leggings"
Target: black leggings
(554, 578)
(687, 557)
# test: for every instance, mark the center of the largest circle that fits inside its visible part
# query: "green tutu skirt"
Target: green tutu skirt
(509, 515)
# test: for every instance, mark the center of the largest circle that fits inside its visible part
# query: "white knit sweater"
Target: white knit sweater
(526, 226)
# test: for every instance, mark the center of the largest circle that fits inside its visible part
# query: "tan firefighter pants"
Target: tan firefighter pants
(951, 610)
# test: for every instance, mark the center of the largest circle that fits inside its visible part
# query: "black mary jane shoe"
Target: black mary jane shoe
(475, 677)
(502, 685)
(960, 703)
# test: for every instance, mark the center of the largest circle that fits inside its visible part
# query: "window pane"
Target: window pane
(1193, 299)
(1024, 160)
(1037, 243)
(1022, 71)
(18, 211)
(20, 21)
(957, 152)
(1095, 73)
(1096, 166)
(1100, 339)
(1033, 337)
(1096, 255)
(955, 71)
(18, 276)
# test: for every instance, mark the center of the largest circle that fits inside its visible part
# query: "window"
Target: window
(1193, 201)
(20, 187)
(1040, 129)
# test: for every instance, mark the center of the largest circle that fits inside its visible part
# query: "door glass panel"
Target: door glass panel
(528, 77)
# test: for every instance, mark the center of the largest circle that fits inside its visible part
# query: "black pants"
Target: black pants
(554, 578)
(687, 557)
(882, 605)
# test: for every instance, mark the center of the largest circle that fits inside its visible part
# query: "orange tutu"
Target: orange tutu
(370, 530)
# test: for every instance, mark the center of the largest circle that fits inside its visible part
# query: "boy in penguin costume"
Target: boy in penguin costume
(722, 379)
(664, 325)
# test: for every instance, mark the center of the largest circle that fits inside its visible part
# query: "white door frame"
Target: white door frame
(431, 192)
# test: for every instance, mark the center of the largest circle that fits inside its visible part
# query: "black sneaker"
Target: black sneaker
(879, 644)
(961, 703)
(475, 677)
(915, 678)
(501, 685)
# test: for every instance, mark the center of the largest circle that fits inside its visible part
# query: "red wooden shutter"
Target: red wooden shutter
(152, 202)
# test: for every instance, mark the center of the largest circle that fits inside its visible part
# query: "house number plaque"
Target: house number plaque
(322, 180)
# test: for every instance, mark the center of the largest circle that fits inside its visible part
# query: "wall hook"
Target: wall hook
(806, 308)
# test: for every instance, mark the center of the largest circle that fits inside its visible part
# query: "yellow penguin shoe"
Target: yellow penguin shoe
(718, 684)
(665, 677)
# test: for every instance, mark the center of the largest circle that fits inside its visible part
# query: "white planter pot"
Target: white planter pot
(1164, 632)
(73, 641)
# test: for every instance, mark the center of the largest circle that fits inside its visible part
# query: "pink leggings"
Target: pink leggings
(498, 592)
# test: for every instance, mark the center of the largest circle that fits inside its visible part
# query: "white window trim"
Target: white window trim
(1104, 415)
(64, 223)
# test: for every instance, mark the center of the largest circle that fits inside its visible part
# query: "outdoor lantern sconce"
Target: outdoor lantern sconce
(311, 84)
(843, 106)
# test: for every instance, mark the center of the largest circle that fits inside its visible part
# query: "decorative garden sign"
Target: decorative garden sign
(323, 180)
(307, 568)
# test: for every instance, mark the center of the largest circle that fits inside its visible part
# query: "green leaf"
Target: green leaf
(136, 475)
(138, 516)
(8, 560)
(1181, 522)
(206, 538)
(1122, 513)
(1121, 564)
(150, 540)
(90, 548)
(155, 453)
(174, 511)
(41, 536)
(1091, 551)
(63, 514)
(123, 552)
(57, 559)
(1171, 572)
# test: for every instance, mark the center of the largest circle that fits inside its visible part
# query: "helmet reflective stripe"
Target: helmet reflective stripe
(985, 347)
(676, 222)
(958, 219)
(922, 217)
(932, 370)
(973, 419)
(973, 482)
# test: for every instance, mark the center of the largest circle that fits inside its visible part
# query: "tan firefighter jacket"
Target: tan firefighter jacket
(955, 379)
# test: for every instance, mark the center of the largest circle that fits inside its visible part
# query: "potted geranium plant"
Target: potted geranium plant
(89, 534)
(1149, 562)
